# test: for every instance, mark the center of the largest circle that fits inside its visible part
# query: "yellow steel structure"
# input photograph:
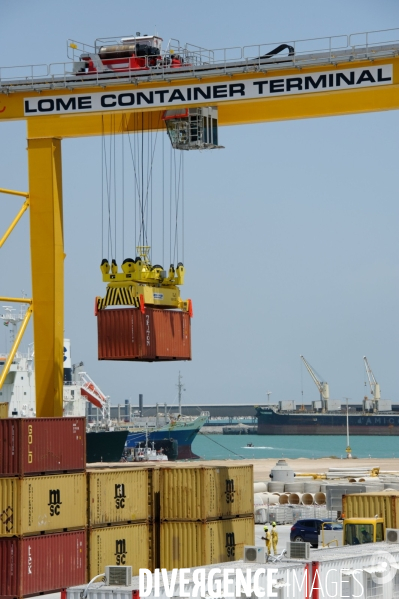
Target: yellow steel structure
(44, 157)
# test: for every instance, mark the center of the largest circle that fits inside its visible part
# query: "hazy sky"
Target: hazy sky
(291, 230)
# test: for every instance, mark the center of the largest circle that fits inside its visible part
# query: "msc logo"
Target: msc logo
(120, 552)
(230, 544)
(55, 502)
(120, 496)
(229, 492)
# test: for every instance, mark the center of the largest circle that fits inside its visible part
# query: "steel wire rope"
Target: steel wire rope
(170, 206)
(107, 185)
(178, 187)
(163, 200)
(115, 202)
(183, 191)
(102, 187)
(136, 177)
(150, 165)
(227, 449)
(123, 190)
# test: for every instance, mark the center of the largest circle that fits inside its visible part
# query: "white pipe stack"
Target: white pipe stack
(320, 498)
(260, 487)
(269, 499)
(308, 499)
(283, 499)
(295, 498)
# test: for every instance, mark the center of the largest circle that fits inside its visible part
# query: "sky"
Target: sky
(290, 231)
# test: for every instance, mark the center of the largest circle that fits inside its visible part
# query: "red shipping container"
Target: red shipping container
(156, 335)
(42, 564)
(40, 445)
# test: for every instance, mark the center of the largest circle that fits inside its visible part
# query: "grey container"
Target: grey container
(391, 486)
(276, 486)
(312, 487)
(297, 487)
(375, 488)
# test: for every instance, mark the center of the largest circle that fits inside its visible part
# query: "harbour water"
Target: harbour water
(215, 447)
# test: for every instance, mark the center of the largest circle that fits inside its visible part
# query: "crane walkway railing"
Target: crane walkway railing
(200, 62)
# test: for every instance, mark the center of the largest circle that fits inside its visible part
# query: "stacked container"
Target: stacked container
(206, 514)
(42, 504)
(119, 519)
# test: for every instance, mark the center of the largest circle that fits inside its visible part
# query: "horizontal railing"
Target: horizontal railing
(196, 61)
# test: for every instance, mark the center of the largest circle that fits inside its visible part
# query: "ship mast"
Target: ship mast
(180, 388)
(12, 319)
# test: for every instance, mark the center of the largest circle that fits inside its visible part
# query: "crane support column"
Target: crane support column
(47, 260)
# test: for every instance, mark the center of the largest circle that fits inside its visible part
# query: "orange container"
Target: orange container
(156, 335)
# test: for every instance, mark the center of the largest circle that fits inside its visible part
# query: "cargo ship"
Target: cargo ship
(175, 428)
(272, 420)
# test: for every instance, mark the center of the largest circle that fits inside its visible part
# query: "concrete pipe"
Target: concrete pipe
(307, 499)
(277, 493)
(297, 487)
(323, 488)
(258, 500)
(312, 487)
(283, 499)
(352, 480)
(276, 486)
(320, 498)
(269, 499)
(260, 487)
(294, 498)
(361, 480)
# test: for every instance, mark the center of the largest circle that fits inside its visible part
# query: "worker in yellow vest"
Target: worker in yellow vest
(268, 539)
(274, 537)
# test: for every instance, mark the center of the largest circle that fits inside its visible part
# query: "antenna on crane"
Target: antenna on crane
(321, 385)
(374, 386)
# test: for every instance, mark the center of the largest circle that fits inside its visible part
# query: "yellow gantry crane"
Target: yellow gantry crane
(260, 83)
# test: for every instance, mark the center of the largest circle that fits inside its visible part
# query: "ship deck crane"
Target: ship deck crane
(321, 385)
(374, 386)
(331, 76)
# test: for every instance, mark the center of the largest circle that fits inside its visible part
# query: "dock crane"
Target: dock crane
(374, 386)
(337, 75)
(321, 385)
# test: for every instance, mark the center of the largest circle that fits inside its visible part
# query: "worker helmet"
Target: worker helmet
(265, 528)
(273, 524)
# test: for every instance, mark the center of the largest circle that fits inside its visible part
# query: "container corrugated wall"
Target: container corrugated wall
(127, 334)
(42, 564)
(42, 504)
(368, 505)
(119, 546)
(117, 496)
(4, 410)
(39, 445)
(206, 493)
(189, 544)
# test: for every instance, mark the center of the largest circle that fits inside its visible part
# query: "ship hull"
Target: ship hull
(184, 435)
(105, 446)
(273, 423)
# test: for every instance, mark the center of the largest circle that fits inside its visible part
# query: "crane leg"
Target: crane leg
(47, 263)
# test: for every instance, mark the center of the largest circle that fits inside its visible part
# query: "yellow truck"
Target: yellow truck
(356, 531)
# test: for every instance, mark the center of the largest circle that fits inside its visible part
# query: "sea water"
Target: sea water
(214, 447)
